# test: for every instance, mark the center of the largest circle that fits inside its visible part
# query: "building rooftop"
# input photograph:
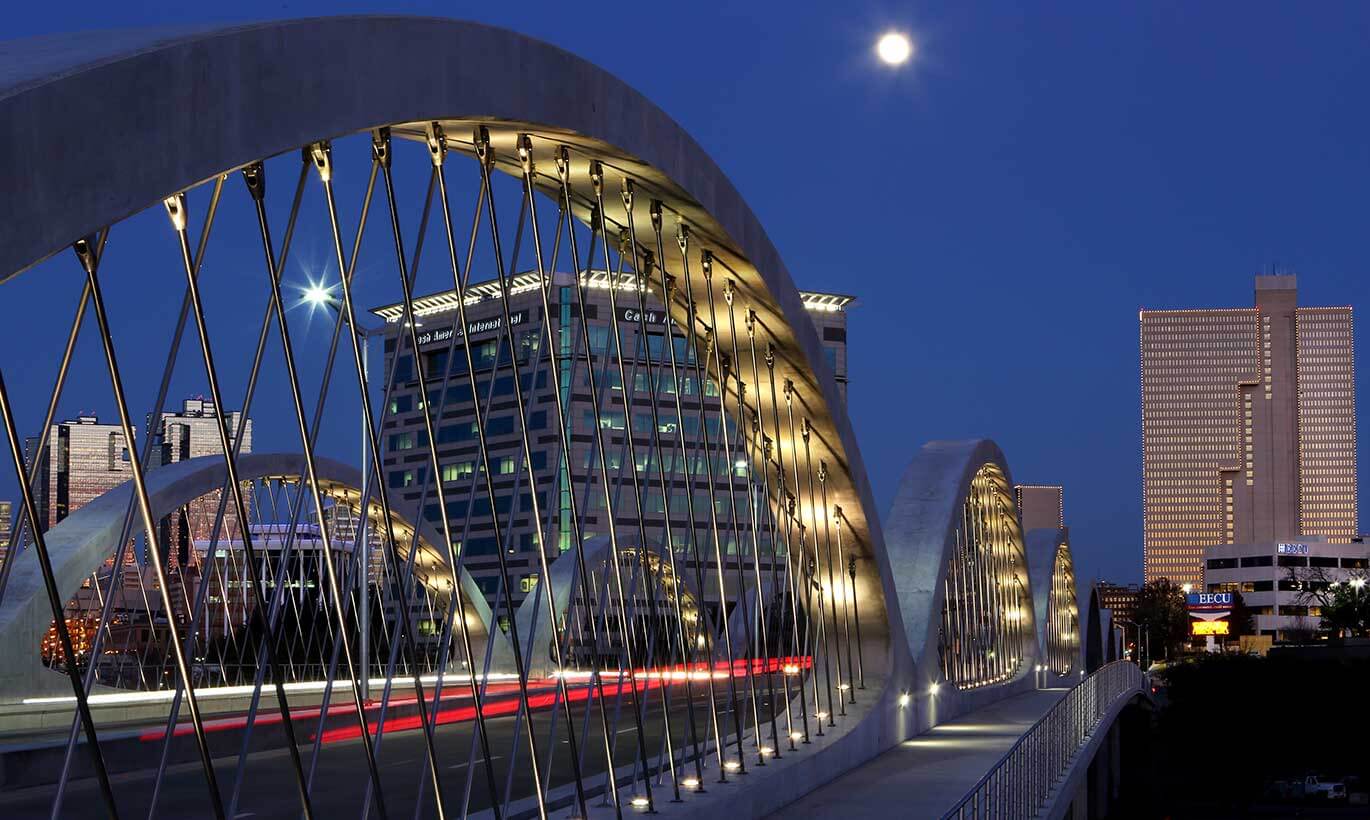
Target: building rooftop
(1278, 281)
(446, 301)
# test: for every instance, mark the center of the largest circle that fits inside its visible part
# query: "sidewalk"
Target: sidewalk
(925, 776)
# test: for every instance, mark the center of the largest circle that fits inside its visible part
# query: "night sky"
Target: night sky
(1002, 206)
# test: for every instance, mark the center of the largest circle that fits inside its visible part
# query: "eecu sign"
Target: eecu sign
(1291, 549)
(1208, 609)
(1209, 601)
(473, 327)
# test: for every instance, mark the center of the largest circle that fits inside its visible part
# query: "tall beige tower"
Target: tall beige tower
(1248, 427)
(6, 521)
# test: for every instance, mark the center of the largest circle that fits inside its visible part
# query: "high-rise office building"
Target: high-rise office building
(192, 433)
(406, 455)
(1042, 506)
(83, 460)
(1248, 427)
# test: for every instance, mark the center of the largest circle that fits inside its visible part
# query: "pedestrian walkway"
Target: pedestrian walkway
(925, 776)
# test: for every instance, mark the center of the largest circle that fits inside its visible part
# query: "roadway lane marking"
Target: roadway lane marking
(401, 762)
(468, 763)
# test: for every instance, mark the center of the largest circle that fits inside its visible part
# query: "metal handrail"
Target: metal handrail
(1019, 784)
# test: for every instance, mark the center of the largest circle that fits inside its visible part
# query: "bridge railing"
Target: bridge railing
(1021, 782)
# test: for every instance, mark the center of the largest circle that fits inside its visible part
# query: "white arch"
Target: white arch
(1049, 553)
(80, 543)
(920, 532)
(260, 90)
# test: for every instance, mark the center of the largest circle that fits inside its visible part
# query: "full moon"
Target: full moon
(894, 48)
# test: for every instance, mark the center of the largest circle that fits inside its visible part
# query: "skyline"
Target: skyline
(719, 410)
(976, 161)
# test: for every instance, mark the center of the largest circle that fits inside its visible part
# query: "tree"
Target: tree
(1163, 616)
(1241, 621)
(1344, 603)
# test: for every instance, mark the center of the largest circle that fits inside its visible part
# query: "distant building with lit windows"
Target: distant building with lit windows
(406, 451)
(83, 460)
(1248, 427)
(6, 521)
(1277, 580)
(1120, 599)
(191, 433)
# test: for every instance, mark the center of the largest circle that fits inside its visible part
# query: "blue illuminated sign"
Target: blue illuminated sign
(1209, 601)
(1292, 549)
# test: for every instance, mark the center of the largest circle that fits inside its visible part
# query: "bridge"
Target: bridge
(610, 547)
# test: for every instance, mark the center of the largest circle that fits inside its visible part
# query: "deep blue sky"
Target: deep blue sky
(1002, 207)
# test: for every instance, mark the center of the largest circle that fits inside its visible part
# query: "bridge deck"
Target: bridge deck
(925, 776)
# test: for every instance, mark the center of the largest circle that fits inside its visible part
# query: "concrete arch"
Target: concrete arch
(564, 579)
(1050, 561)
(80, 543)
(1092, 651)
(211, 100)
(920, 532)
(264, 89)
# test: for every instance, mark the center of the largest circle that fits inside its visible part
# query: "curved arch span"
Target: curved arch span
(957, 552)
(1051, 566)
(263, 90)
(83, 541)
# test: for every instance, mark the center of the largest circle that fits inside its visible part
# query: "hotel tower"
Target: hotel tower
(1248, 427)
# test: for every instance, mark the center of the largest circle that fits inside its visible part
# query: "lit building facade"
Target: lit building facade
(83, 460)
(6, 522)
(1278, 581)
(191, 433)
(406, 453)
(1248, 427)
(1042, 506)
(1120, 599)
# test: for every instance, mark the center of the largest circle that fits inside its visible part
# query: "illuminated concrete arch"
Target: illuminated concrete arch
(1054, 599)
(964, 591)
(83, 541)
(267, 89)
(210, 101)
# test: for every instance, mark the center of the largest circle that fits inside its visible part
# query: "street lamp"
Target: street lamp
(1137, 631)
(316, 295)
